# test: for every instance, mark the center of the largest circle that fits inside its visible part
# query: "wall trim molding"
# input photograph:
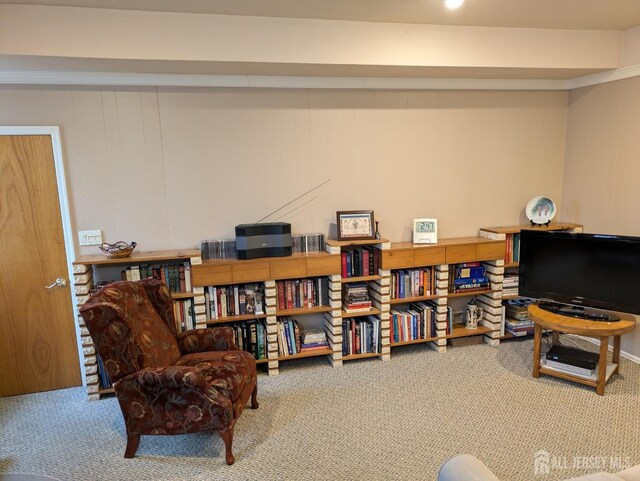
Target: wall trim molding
(604, 77)
(256, 81)
(624, 354)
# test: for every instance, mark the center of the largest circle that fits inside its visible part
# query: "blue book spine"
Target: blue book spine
(471, 280)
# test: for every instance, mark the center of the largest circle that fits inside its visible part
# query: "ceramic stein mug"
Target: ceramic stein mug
(474, 315)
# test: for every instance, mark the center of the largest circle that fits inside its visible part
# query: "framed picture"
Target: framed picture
(355, 224)
(425, 231)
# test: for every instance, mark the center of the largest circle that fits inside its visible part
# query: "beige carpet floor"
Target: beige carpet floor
(369, 420)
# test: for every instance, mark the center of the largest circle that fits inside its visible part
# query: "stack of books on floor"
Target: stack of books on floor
(517, 322)
(313, 340)
(356, 297)
(467, 277)
(510, 285)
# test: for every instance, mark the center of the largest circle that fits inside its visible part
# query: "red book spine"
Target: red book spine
(343, 258)
(281, 301)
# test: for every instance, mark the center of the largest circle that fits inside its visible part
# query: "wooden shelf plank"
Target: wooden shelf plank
(470, 293)
(405, 300)
(415, 341)
(346, 280)
(108, 390)
(140, 256)
(181, 295)
(459, 330)
(511, 264)
(302, 310)
(361, 356)
(347, 243)
(372, 312)
(243, 317)
(303, 354)
(514, 229)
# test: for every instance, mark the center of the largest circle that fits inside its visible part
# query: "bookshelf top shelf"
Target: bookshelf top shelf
(276, 259)
(140, 256)
(517, 228)
(347, 243)
(452, 242)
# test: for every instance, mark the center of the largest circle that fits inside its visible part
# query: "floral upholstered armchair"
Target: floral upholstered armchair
(167, 382)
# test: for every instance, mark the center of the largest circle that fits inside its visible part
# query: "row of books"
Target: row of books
(362, 261)
(467, 277)
(250, 336)
(361, 335)
(224, 301)
(292, 339)
(416, 322)
(184, 315)
(177, 277)
(512, 252)
(413, 283)
(355, 297)
(298, 293)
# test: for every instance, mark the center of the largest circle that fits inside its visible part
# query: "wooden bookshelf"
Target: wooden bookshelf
(438, 257)
(89, 269)
(377, 281)
(268, 271)
(507, 234)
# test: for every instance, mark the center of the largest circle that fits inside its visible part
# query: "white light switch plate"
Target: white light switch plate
(90, 237)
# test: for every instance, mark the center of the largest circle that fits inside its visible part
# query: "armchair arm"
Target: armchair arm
(208, 339)
(465, 467)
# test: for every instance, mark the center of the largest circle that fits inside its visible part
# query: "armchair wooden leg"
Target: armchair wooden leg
(227, 437)
(254, 398)
(133, 441)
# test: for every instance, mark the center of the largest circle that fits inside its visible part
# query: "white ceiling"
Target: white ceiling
(560, 14)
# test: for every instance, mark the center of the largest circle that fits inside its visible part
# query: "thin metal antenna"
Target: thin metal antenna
(291, 202)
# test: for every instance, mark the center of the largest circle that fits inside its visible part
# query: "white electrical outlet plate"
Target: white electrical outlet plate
(90, 237)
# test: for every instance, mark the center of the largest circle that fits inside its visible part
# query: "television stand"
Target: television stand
(558, 323)
(577, 311)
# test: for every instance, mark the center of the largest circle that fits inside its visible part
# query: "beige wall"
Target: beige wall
(602, 169)
(170, 168)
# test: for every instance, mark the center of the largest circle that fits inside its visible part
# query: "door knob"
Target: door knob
(59, 282)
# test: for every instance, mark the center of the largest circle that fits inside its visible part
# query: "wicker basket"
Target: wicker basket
(118, 250)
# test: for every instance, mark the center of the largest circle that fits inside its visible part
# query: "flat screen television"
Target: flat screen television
(581, 271)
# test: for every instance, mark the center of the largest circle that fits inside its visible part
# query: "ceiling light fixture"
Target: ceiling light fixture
(451, 4)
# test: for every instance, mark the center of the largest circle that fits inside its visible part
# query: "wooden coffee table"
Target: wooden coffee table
(558, 323)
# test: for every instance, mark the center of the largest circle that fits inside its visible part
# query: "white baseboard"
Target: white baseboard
(624, 354)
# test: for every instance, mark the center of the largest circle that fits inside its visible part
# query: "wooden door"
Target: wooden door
(38, 349)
